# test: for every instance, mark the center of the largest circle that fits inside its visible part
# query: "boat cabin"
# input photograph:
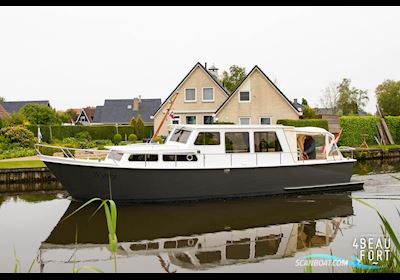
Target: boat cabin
(225, 146)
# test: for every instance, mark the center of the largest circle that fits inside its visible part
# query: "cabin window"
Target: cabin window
(237, 142)
(266, 142)
(207, 138)
(208, 120)
(190, 95)
(115, 155)
(244, 96)
(143, 157)
(208, 94)
(191, 120)
(244, 121)
(265, 120)
(188, 157)
(180, 135)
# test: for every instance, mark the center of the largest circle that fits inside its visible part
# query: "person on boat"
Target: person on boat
(309, 147)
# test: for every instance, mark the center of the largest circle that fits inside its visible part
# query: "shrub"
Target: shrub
(15, 152)
(354, 126)
(159, 140)
(1, 123)
(18, 134)
(48, 150)
(139, 128)
(102, 142)
(117, 138)
(132, 137)
(15, 118)
(305, 122)
(393, 124)
(83, 135)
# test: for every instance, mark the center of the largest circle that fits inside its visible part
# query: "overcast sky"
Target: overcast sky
(79, 56)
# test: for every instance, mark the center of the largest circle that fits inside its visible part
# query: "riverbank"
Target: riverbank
(9, 176)
(371, 153)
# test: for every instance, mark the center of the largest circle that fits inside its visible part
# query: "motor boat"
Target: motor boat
(204, 162)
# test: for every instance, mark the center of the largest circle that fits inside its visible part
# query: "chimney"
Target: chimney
(136, 102)
(295, 101)
(205, 65)
(214, 71)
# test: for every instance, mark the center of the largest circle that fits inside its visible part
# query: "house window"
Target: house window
(266, 142)
(208, 94)
(190, 119)
(265, 120)
(208, 120)
(190, 95)
(176, 120)
(244, 120)
(207, 138)
(244, 96)
(237, 142)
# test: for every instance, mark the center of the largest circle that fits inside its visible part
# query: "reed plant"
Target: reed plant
(110, 210)
(17, 263)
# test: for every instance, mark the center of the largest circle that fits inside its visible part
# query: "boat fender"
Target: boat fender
(189, 157)
(227, 170)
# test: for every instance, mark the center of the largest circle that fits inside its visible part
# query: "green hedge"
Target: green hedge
(354, 126)
(305, 122)
(393, 124)
(95, 131)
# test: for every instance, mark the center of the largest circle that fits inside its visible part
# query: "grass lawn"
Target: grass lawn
(22, 164)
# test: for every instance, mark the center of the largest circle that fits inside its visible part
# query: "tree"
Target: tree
(68, 116)
(330, 96)
(133, 123)
(15, 118)
(39, 114)
(139, 128)
(388, 97)
(304, 102)
(351, 99)
(233, 78)
(2, 99)
(309, 113)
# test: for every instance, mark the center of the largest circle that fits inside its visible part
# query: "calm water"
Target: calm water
(242, 235)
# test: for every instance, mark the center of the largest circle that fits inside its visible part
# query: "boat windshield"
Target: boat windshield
(180, 135)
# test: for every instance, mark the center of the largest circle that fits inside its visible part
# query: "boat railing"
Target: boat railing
(203, 159)
(74, 153)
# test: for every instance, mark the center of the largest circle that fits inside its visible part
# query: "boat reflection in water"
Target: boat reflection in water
(206, 234)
